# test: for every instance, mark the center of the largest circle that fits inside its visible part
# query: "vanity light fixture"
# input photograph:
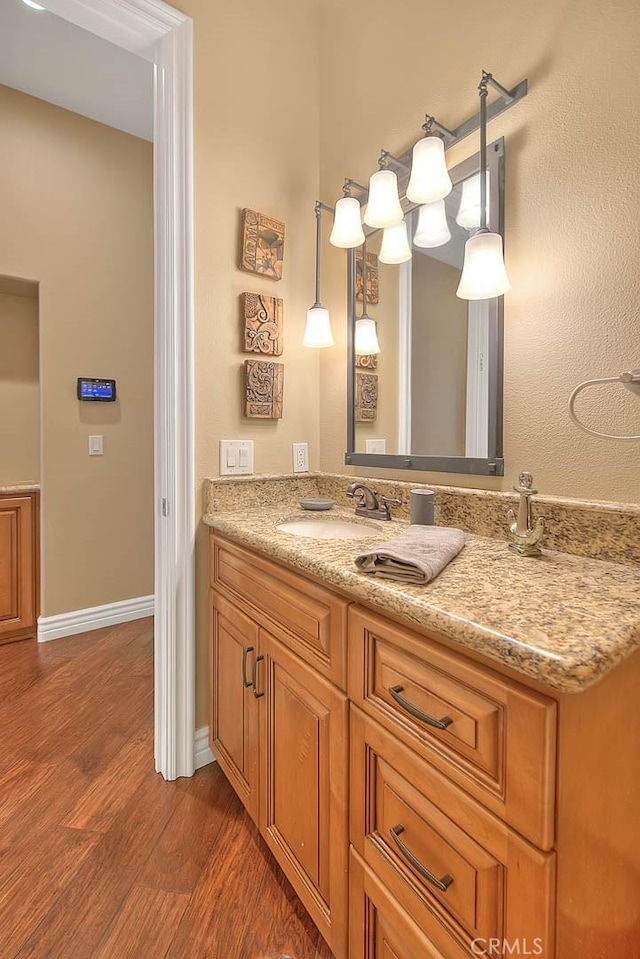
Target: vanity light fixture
(432, 229)
(318, 330)
(365, 341)
(483, 273)
(33, 5)
(347, 232)
(383, 206)
(395, 244)
(430, 180)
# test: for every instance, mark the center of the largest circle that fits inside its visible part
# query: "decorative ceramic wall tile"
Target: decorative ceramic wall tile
(367, 362)
(366, 397)
(262, 244)
(264, 386)
(263, 323)
(373, 291)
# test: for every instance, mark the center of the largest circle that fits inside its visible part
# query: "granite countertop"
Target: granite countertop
(17, 488)
(562, 620)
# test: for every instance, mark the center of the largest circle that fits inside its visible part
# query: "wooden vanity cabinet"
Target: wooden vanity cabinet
(466, 806)
(18, 566)
(279, 727)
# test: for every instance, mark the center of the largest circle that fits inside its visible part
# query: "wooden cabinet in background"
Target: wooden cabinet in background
(18, 566)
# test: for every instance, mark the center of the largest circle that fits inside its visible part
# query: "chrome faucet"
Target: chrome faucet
(369, 503)
(526, 539)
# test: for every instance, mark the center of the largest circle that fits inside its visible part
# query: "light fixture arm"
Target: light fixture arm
(430, 124)
(506, 95)
(364, 277)
(483, 92)
(349, 183)
(318, 211)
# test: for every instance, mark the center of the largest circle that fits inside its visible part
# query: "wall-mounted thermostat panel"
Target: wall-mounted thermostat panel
(91, 389)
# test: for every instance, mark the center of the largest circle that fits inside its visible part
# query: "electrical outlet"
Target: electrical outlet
(236, 457)
(300, 457)
(375, 446)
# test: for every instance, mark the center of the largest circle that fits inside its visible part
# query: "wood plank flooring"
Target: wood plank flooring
(99, 856)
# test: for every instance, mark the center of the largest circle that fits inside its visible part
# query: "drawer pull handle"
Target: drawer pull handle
(254, 676)
(245, 652)
(410, 708)
(441, 884)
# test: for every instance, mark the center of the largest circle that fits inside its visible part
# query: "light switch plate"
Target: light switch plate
(375, 446)
(236, 457)
(300, 457)
(96, 445)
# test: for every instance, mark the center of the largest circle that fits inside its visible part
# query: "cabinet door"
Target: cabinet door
(303, 760)
(233, 720)
(17, 579)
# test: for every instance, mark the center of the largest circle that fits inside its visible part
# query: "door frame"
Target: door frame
(164, 36)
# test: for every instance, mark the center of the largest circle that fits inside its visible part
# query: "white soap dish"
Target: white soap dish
(317, 503)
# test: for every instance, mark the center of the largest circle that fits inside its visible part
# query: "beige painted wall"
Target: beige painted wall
(256, 132)
(572, 203)
(76, 201)
(19, 390)
(438, 359)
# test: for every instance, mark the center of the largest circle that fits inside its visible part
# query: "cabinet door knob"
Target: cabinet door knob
(441, 884)
(245, 652)
(254, 677)
(414, 711)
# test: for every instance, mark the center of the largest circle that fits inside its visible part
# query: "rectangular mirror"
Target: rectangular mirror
(432, 398)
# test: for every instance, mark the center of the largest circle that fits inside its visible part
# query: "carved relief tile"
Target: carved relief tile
(366, 397)
(263, 323)
(262, 244)
(264, 387)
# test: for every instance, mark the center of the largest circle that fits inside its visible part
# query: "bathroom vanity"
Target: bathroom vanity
(19, 566)
(435, 768)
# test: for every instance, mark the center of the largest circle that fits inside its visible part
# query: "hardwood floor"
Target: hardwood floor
(99, 856)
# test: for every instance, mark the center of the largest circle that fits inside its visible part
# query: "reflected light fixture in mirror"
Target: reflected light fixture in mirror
(469, 213)
(383, 207)
(430, 180)
(395, 244)
(432, 229)
(365, 341)
(317, 333)
(347, 232)
(484, 274)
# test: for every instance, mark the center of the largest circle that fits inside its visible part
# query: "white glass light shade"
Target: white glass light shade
(366, 337)
(33, 4)
(347, 231)
(483, 274)
(395, 245)
(430, 180)
(383, 208)
(433, 229)
(318, 330)
(469, 213)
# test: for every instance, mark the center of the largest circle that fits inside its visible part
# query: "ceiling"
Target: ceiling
(50, 58)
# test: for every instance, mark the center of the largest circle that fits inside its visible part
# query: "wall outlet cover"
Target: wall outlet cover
(300, 457)
(96, 446)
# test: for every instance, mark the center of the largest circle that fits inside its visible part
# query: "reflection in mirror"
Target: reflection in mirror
(432, 398)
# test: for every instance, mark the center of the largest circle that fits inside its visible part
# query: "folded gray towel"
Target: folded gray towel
(416, 555)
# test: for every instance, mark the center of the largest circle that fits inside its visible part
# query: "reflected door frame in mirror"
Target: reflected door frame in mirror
(484, 435)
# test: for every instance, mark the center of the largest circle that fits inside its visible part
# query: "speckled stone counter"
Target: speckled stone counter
(16, 489)
(563, 620)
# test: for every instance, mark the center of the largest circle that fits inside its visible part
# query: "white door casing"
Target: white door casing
(164, 36)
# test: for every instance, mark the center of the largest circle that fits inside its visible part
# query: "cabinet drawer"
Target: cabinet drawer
(448, 862)
(490, 735)
(304, 616)
(379, 928)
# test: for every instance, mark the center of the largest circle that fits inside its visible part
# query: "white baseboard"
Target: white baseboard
(204, 756)
(96, 617)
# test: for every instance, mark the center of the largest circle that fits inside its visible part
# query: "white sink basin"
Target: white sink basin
(325, 529)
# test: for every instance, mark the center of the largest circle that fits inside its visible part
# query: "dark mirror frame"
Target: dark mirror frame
(493, 465)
